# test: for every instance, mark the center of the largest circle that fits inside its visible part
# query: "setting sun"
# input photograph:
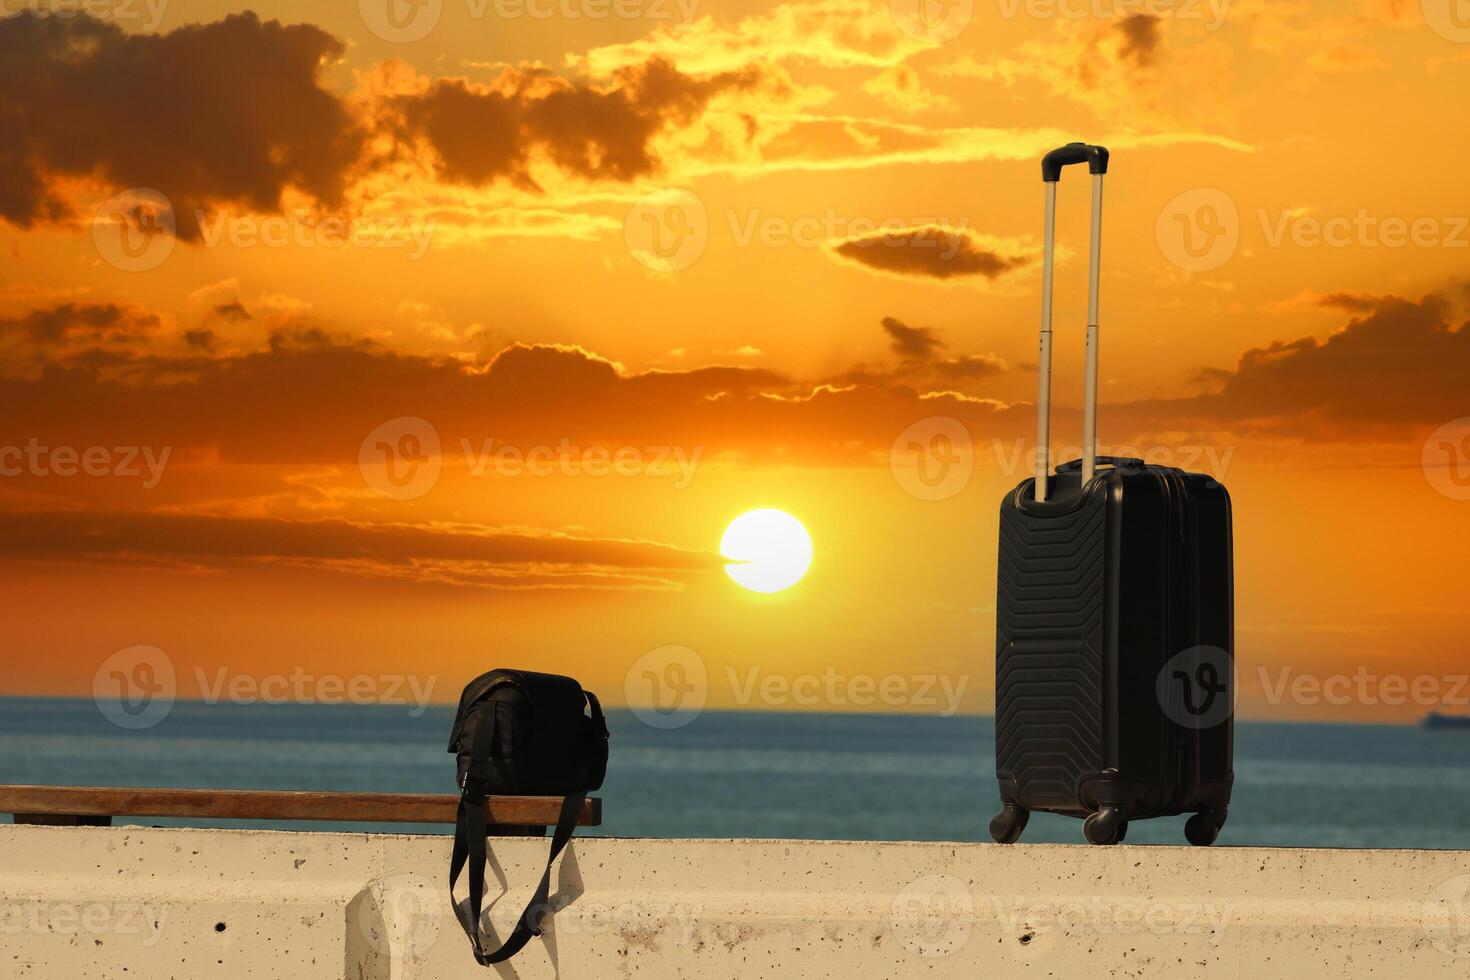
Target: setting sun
(769, 550)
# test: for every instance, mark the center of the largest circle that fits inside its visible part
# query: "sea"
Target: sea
(756, 774)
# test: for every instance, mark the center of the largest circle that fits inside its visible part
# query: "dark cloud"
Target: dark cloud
(1349, 302)
(484, 133)
(1141, 38)
(1399, 366)
(911, 343)
(201, 339)
(208, 114)
(69, 322)
(930, 251)
(234, 312)
(459, 555)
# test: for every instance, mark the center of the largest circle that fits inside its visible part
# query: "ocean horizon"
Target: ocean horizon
(739, 773)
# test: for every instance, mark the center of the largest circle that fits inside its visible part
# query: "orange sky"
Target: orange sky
(718, 256)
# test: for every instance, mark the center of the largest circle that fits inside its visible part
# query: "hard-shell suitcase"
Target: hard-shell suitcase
(1114, 619)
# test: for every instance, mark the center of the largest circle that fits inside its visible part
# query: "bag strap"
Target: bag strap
(469, 848)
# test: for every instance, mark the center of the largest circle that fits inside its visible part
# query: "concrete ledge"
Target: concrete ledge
(136, 902)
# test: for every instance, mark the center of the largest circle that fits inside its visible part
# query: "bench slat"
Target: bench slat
(257, 804)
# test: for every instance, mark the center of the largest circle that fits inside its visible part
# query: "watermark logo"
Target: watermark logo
(401, 21)
(933, 916)
(1446, 459)
(147, 14)
(1199, 230)
(932, 21)
(1196, 688)
(1113, 916)
(667, 230)
(37, 460)
(136, 230)
(1450, 19)
(1446, 916)
(401, 922)
(92, 919)
(400, 459)
(667, 688)
(135, 687)
(933, 459)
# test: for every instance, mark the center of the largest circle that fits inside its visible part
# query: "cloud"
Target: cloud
(1141, 39)
(454, 555)
(225, 112)
(930, 252)
(1398, 366)
(1127, 70)
(81, 323)
(831, 33)
(911, 343)
(899, 87)
(234, 312)
(202, 339)
(479, 134)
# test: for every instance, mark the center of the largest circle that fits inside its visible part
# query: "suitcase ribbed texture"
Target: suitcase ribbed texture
(1049, 650)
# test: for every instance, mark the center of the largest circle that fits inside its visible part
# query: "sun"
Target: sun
(768, 550)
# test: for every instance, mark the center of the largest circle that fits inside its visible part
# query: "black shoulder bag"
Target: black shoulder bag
(519, 733)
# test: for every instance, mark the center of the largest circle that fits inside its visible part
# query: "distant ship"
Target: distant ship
(1436, 720)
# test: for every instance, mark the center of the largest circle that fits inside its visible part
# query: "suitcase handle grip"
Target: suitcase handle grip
(1064, 156)
(1122, 462)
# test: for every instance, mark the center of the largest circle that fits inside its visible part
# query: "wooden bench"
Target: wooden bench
(95, 806)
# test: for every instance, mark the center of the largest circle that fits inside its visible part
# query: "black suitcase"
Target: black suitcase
(1114, 696)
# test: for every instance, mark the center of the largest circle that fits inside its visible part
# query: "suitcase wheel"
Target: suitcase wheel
(1202, 828)
(1006, 826)
(1106, 826)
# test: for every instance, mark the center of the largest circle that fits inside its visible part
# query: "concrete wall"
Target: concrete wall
(139, 904)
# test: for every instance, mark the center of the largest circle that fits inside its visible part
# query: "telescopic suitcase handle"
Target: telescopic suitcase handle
(1096, 158)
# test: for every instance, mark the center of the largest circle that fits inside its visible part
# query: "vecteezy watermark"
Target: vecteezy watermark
(1196, 687)
(667, 687)
(131, 462)
(85, 919)
(135, 687)
(933, 458)
(300, 687)
(407, 21)
(136, 230)
(568, 459)
(1445, 916)
(1213, 12)
(667, 230)
(400, 921)
(1113, 916)
(401, 21)
(304, 231)
(1446, 459)
(147, 15)
(834, 689)
(1447, 18)
(1362, 230)
(932, 21)
(400, 459)
(1199, 230)
(1364, 687)
(933, 916)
